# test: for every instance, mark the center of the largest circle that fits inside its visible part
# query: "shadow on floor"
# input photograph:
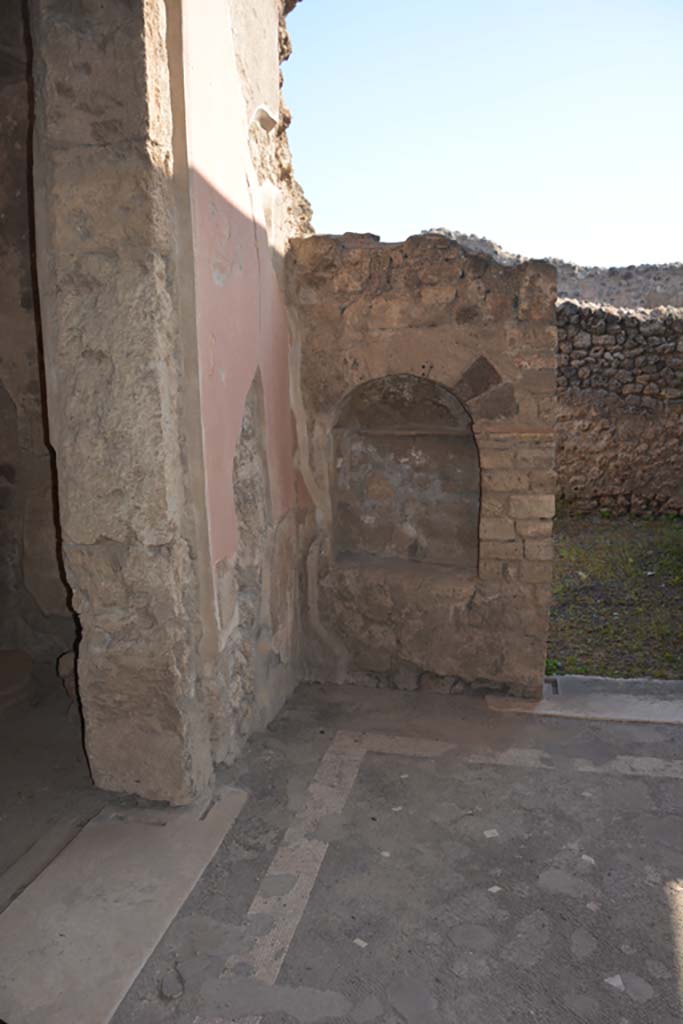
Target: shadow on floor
(45, 786)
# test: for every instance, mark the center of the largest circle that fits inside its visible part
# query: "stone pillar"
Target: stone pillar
(119, 406)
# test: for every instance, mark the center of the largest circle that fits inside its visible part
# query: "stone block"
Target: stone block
(481, 376)
(495, 504)
(498, 404)
(505, 480)
(497, 529)
(505, 550)
(543, 481)
(537, 528)
(539, 550)
(536, 572)
(497, 458)
(536, 506)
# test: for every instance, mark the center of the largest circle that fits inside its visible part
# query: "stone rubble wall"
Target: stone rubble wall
(620, 408)
(35, 621)
(647, 286)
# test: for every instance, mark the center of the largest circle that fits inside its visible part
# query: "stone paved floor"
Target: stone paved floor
(415, 858)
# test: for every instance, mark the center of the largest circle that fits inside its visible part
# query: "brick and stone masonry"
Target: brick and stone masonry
(423, 386)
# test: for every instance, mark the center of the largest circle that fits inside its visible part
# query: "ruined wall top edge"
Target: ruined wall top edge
(644, 286)
(424, 240)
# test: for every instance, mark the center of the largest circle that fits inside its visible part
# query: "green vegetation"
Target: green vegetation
(617, 597)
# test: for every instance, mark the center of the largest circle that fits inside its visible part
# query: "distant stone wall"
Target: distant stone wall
(644, 286)
(620, 408)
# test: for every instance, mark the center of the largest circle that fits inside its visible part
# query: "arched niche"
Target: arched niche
(406, 480)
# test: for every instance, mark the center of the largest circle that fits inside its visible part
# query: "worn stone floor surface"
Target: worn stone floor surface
(417, 859)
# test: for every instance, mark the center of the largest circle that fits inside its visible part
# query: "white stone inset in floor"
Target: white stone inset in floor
(75, 940)
(653, 701)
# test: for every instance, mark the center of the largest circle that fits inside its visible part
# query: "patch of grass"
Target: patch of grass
(618, 597)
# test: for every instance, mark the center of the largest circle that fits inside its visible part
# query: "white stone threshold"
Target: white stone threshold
(75, 940)
(645, 700)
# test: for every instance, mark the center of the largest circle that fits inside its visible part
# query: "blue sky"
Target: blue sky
(554, 128)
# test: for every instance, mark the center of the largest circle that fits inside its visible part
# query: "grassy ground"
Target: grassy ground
(617, 597)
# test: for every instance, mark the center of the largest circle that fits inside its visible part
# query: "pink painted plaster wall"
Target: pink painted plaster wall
(241, 320)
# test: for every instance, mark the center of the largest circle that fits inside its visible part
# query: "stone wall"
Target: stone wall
(646, 286)
(245, 205)
(35, 621)
(620, 409)
(401, 354)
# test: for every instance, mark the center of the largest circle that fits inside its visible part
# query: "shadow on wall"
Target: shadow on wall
(36, 618)
(247, 441)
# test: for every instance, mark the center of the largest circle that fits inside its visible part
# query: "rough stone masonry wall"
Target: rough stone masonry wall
(121, 400)
(620, 408)
(35, 622)
(404, 319)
